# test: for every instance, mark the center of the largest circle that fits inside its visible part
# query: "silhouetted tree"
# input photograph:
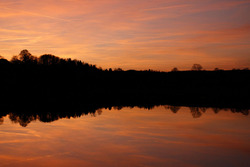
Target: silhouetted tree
(246, 69)
(26, 57)
(3, 61)
(196, 67)
(174, 69)
(48, 59)
(118, 69)
(15, 60)
(216, 69)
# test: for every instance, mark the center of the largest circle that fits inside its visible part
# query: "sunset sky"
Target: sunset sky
(131, 34)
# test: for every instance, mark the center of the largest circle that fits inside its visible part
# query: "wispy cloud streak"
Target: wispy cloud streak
(130, 34)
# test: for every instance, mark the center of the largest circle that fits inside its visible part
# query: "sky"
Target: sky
(130, 34)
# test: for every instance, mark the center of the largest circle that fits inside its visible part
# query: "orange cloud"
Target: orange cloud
(130, 34)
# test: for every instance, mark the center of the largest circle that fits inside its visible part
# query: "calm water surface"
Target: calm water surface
(163, 136)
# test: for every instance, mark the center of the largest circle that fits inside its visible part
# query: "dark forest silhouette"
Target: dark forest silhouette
(50, 82)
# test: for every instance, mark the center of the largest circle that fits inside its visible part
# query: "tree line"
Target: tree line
(26, 58)
(51, 82)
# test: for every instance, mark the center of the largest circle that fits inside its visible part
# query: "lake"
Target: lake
(125, 136)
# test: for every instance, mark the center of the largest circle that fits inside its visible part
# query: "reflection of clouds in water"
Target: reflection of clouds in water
(19, 133)
(47, 156)
(13, 160)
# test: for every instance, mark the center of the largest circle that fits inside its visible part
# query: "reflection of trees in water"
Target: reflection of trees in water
(197, 111)
(1, 120)
(243, 111)
(174, 109)
(24, 118)
(99, 111)
(203, 109)
(117, 107)
(216, 110)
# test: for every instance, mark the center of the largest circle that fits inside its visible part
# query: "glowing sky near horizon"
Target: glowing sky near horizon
(131, 34)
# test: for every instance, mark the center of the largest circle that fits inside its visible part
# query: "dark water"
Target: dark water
(162, 136)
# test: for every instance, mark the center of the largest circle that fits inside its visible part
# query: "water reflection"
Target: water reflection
(1, 120)
(24, 118)
(126, 136)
